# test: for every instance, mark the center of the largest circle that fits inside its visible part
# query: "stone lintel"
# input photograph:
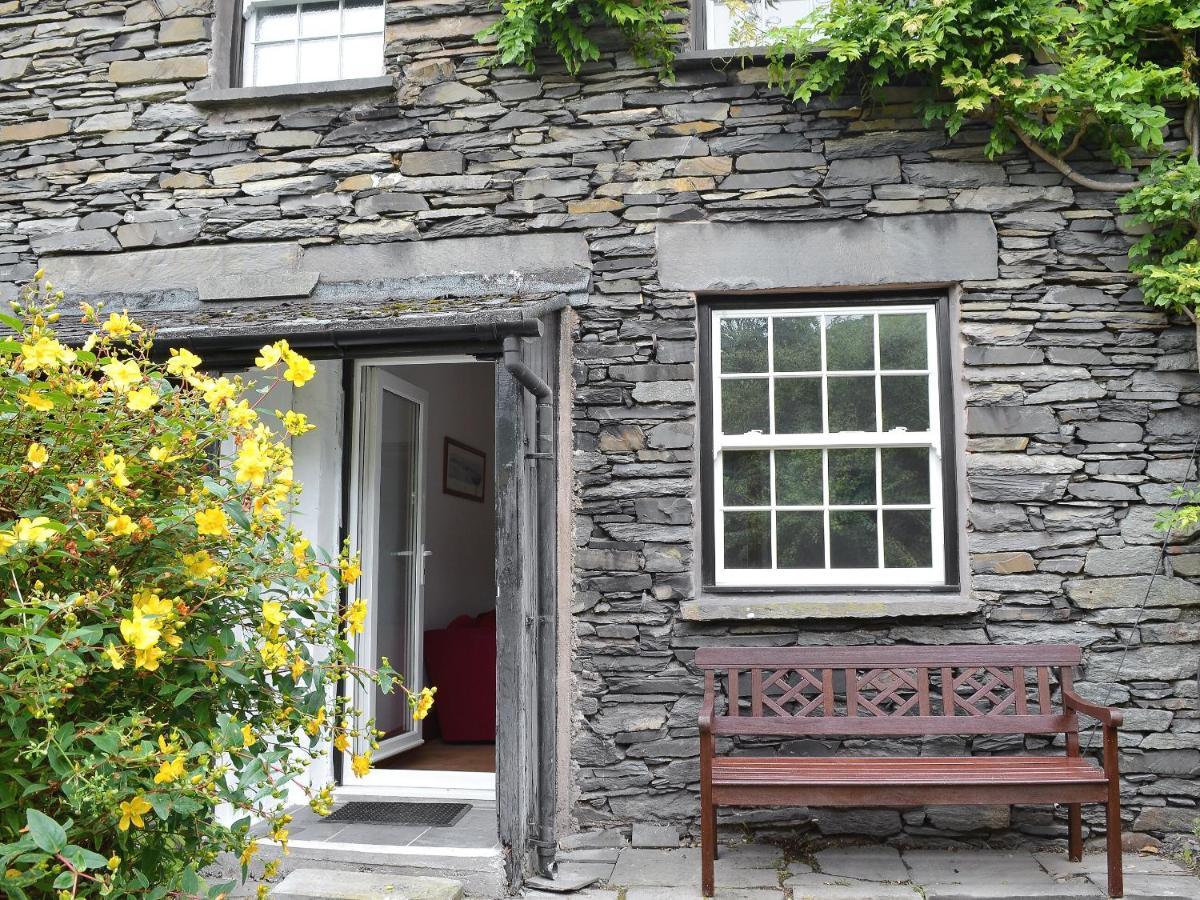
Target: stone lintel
(512, 265)
(742, 607)
(921, 249)
(307, 91)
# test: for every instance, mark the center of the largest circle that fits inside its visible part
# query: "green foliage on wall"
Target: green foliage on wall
(1118, 79)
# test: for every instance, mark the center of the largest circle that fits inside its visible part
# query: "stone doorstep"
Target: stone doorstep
(321, 884)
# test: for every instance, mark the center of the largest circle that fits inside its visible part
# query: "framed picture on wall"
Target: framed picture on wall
(464, 470)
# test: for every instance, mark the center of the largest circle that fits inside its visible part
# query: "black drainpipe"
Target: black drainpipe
(547, 605)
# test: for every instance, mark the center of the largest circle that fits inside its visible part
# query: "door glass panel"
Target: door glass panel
(398, 553)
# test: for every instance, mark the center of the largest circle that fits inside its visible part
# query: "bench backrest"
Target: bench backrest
(878, 691)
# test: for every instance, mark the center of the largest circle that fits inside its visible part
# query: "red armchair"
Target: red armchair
(460, 661)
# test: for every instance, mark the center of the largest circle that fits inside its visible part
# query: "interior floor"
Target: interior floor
(438, 756)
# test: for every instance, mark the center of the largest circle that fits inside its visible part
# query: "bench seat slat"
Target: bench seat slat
(812, 772)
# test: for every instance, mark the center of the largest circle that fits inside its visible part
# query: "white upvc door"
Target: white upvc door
(388, 489)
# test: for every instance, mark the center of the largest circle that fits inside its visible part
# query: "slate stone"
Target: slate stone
(863, 172)
(1010, 420)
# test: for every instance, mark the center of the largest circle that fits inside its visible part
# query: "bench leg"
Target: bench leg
(1075, 832)
(1116, 879)
(708, 846)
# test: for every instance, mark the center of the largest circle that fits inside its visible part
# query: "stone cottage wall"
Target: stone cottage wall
(1081, 402)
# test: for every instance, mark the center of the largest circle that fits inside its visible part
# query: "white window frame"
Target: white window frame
(880, 577)
(250, 13)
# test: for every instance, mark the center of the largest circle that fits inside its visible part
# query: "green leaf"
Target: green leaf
(83, 858)
(47, 834)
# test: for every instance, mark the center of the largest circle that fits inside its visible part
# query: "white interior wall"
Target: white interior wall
(460, 573)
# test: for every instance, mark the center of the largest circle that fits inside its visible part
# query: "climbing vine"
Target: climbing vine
(1082, 85)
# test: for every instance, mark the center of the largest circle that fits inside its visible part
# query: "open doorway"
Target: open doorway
(425, 519)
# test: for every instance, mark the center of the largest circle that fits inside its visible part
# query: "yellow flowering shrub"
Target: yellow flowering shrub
(169, 643)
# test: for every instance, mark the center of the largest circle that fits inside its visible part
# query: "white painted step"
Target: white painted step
(322, 884)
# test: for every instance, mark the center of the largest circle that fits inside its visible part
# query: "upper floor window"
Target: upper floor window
(730, 24)
(292, 43)
(826, 447)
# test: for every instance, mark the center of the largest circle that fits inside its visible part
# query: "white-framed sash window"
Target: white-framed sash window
(827, 447)
(732, 24)
(293, 43)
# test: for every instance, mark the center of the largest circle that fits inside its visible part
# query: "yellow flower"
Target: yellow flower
(120, 325)
(356, 615)
(201, 565)
(218, 391)
(163, 455)
(122, 375)
(361, 764)
(300, 551)
(183, 362)
(170, 771)
(139, 632)
(148, 659)
(270, 354)
(114, 863)
(341, 743)
(273, 653)
(45, 353)
(34, 531)
(149, 603)
(299, 370)
(121, 525)
(295, 423)
(350, 571)
(248, 852)
(36, 455)
(247, 736)
(314, 725)
(212, 521)
(114, 656)
(299, 666)
(424, 703)
(240, 415)
(37, 400)
(114, 465)
(273, 612)
(142, 399)
(132, 812)
(252, 463)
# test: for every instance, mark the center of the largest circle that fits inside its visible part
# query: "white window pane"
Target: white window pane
(274, 64)
(360, 16)
(362, 57)
(319, 60)
(275, 23)
(319, 19)
(742, 23)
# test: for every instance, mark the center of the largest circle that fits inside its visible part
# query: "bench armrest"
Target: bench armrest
(707, 707)
(1105, 714)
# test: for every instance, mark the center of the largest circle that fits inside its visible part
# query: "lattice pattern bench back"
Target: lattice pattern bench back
(903, 691)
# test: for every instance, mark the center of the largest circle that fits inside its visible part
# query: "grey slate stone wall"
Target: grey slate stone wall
(1081, 403)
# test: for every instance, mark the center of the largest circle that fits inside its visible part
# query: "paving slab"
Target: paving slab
(863, 863)
(982, 866)
(1097, 864)
(1156, 887)
(831, 887)
(324, 884)
(657, 868)
(673, 893)
(1020, 890)
(660, 837)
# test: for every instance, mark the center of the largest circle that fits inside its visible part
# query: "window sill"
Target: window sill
(694, 59)
(742, 607)
(306, 90)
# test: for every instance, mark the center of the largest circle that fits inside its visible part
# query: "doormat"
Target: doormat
(391, 812)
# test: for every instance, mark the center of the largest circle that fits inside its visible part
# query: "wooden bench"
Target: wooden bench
(822, 692)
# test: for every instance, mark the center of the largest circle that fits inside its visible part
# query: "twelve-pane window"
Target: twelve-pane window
(826, 447)
(290, 43)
